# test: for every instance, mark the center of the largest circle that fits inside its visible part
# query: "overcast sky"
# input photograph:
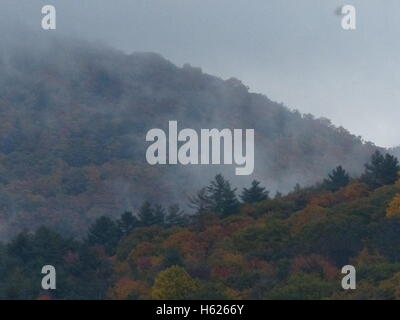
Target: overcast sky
(294, 51)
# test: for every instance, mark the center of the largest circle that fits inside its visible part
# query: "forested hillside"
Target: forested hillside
(72, 138)
(240, 244)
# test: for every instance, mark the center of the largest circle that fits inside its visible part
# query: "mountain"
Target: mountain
(74, 120)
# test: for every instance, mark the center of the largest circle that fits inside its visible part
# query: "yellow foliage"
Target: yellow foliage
(233, 294)
(174, 283)
(367, 256)
(311, 213)
(326, 199)
(126, 288)
(393, 210)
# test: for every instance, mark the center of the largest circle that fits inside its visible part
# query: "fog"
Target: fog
(75, 112)
(293, 51)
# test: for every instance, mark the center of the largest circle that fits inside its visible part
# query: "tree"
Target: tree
(105, 232)
(302, 286)
(200, 201)
(381, 170)
(254, 194)
(159, 215)
(338, 179)
(174, 283)
(175, 216)
(146, 215)
(222, 198)
(21, 247)
(126, 288)
(218, 197)
(127, 223)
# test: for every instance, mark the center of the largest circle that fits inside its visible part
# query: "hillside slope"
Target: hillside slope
(74, 118)
(293, 247)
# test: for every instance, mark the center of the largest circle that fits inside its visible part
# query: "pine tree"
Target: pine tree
(254, 194)
(127, 223)
(222, 198)
(175, 216)
(200, 202)
(105, 232)
(381, 170)
(159, 215)
(146, 214)
(339, 178)
(218, 197)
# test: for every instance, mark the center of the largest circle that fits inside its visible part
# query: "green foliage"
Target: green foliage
(105, 232)
(303, 287)
(381, 170)
(127, 223)
(338, 238)
(175, 216)
(69, 142)
(149, 215)
(291, 247)
(254, 194)
(81, 273)
(218, 197)
(338, 179)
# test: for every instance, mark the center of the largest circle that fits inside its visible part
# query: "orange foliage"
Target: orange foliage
(326, 199)
(192, 247)
(126, 288)
(147, 264)
(393, 210)
(225, 264)
(44, 296)
(352, 192)
(261, 266)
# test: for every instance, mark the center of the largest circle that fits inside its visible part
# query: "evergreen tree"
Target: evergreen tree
(159, 215)
(200, 202)
(105, 232)
(146, 214)
(381, 170)
(127, 223)
(149, 215)
(339, 178)
(21, 247)
(218, 197)
(254, 194)
(221, 197)
(175, 216)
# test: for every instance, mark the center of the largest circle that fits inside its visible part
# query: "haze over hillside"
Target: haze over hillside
(74, 119)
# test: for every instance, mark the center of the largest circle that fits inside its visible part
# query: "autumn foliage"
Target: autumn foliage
(289, 247)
